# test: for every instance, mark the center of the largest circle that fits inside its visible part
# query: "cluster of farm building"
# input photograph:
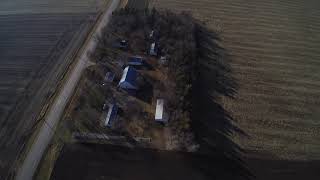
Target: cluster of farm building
(129, 81)
(141, 80)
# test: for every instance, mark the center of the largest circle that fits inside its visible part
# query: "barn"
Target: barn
(128, 79)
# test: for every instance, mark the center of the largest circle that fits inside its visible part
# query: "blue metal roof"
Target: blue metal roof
(129, 75)
(109, 77)
(136, 59)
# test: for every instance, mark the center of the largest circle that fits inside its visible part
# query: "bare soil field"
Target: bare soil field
(34, 48)
(38, 41)
(138, 4)
(48, 6)
(274, 50)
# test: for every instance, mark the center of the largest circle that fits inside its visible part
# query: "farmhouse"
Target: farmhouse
(128, 79)
(153, 49)
(111, 115)
(161, 115)
(135, 61)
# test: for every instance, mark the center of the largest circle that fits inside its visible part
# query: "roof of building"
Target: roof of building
(151, 34)
(120, 43)
(153, 50)
(153, 46)
(159, 109)
(109, 77)
(129, 75)
(136, 60)
(112, 114)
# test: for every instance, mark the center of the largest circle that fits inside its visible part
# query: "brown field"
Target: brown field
(274, 50)
(272, 46)
(38, 41)
(138, 4)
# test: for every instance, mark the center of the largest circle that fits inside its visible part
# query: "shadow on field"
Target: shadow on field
(275, 169)
(212, 124)
(93, 161)
(97, 161)
(145, 92)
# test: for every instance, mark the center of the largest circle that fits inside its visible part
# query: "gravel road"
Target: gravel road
(44, 137)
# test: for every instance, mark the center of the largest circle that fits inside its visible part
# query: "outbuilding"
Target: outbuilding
(151, 35)
(161, 115)
(163, 60)
(153, 49)
(121, 44)
(128, 79)
(135, 61)
(109, 77)
(111, 115)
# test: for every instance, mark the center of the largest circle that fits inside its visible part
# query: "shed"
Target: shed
(128, 79)
(151, 35)
(161, 115)
(109, 77)
(111, 115)
(153, 49)
(135, 61)
(163, 60)
(121, 44)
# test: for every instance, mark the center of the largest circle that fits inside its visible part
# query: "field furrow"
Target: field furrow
(274, 47)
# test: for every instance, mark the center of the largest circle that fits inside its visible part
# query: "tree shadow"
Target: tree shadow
(212, 124)
(137, 163)
(84, 161)
(148, 66)
(145, 92)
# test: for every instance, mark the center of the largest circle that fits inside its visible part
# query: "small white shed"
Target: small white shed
(161, 115)
(153, 49)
